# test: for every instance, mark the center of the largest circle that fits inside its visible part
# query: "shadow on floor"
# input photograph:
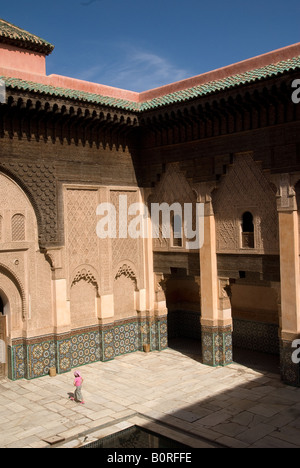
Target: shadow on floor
(187, 346)
(254, 360)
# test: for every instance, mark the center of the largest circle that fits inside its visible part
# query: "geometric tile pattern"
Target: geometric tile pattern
(40, 358)
(17, 362)
(217, 346)
(120, 339)
(256, 336)
(77, 349)
(33, 358)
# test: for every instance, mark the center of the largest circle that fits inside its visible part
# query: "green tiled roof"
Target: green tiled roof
(223, 84)
(165, 100)
(11, 34)
(66, 93)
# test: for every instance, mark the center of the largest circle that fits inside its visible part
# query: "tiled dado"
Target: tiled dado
(256, 336)
(130, 336)
(217, 346)
(32, 358)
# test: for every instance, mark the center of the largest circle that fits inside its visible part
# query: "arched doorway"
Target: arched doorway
(3, 339)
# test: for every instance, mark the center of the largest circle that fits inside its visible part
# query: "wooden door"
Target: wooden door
(2, 346)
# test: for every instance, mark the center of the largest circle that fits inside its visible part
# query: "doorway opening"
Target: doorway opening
(3, 341)
(255, 324)
(183, 304)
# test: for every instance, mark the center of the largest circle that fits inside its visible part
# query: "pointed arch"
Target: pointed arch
(18, 181)
(85, 274)
(17, 282)
(127, 271)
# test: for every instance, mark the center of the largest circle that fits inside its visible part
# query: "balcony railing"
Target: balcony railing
(248, 240)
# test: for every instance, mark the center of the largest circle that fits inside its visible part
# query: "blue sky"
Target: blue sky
(139, 45)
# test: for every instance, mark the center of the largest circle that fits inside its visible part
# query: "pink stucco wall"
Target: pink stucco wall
(20, 59)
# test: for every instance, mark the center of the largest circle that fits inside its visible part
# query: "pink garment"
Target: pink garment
(78, 381)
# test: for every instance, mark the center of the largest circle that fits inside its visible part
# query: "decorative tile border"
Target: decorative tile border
(33, 358)
(17, 362)
(256, 336)
(120, 338)
(40, 358)
(77, 348)
(217, 346)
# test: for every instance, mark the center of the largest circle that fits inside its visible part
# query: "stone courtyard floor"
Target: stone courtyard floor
(168, 391)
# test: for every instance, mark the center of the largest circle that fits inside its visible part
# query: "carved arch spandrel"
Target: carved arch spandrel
(128, 271)
(245, 188)
(86, 273)
(14, 178)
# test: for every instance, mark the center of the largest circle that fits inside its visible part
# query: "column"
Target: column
(216, 320)
(154, 326)
(289, 277)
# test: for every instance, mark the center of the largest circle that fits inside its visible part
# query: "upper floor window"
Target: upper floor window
(177, 240)
(247, 231)
(18, 227)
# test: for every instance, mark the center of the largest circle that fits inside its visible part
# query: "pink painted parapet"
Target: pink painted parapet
(30, 66)
(241, 67)
(103, 90)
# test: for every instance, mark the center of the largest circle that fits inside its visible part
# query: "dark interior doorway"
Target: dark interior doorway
(183, 303)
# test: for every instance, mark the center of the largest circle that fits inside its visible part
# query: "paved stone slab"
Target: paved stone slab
(234, 406)
(54, 440)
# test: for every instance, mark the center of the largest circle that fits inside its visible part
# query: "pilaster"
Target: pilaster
(289, 277)
(216, 320)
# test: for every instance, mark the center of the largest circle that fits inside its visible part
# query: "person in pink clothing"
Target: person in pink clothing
(78, 384)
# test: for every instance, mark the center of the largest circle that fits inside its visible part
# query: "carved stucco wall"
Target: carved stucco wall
(124, 297)
(39, 181)
(172, 188)
(94, 263)
(25, 276)
(245, 188)
(126, 249)
(82, 247)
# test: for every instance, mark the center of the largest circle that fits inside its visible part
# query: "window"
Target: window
(177, 231)
(247, 231)
(1, 306)
(18, 227)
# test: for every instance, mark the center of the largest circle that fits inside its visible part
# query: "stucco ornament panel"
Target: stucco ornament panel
(172, 188)
(81, 238)
(19, 236)
(245, 189)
